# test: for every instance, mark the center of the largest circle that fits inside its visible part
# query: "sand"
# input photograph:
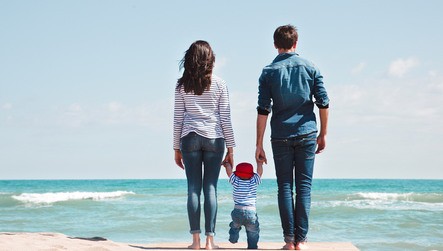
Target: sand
(61, 242)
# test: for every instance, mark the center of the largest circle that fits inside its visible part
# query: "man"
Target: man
(288, 87)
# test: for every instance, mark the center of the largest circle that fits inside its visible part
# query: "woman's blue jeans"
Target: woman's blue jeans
(202, 158)
(294, 161)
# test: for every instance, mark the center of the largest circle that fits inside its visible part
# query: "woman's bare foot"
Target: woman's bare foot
(195, 246)
(301, 245)
(289, 246)
(195, 241)
(210, 243)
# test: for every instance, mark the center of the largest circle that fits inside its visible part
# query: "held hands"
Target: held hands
(228, 168)
(260, 155)
(178, 158)
(229, 158)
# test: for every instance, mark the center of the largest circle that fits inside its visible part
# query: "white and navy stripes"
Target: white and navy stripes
(208, 115)
(245, 191)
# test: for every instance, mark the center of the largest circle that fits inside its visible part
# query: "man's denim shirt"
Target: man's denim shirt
(287, 87)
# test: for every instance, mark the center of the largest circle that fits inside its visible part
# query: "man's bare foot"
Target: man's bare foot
(289, 246)
(301, 245)
(210, 243)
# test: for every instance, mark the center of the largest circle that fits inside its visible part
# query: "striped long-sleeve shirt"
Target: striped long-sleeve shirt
(208, 115)
(245, 191)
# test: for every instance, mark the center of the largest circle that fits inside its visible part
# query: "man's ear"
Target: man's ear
(294, 46)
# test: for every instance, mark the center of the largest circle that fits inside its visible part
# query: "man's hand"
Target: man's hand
(260, 155)
(321, 144)
(321, 139)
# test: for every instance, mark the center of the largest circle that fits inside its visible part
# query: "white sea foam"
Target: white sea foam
(48, 198)
(413, 197)
(383, 205)
(385, 196)
(389, 201)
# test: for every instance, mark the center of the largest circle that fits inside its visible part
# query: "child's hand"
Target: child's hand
(226, 164)
(228, 167)
(260, 168)
(260, 164)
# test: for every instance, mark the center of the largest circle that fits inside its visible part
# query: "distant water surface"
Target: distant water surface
(372, 214)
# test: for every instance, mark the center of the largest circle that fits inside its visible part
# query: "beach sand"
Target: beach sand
(59, 242)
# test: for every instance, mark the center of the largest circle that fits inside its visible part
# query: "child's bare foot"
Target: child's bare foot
(289, 246)
(301, 245)
(195, 242)
(210, 243)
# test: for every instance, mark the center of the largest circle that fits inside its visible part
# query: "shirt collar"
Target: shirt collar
(285, 55)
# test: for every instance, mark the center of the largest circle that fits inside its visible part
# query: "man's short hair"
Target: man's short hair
(285, 36)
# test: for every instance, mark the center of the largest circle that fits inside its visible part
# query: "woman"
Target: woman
(202, 129)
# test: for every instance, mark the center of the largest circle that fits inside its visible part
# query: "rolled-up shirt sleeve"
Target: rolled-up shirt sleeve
(320, 94)
(264, 95)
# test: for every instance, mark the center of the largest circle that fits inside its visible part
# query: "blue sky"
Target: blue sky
(86, 87)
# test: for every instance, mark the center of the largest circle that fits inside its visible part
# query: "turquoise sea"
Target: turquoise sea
(372, 214)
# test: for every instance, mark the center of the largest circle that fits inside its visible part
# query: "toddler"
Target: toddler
(244, 182)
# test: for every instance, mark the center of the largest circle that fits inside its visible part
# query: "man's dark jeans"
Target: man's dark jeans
(294, 164)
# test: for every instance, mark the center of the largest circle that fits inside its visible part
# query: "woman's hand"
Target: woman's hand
(178, 158)
(229, 158)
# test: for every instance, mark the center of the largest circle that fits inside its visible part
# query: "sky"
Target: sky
(86, 87)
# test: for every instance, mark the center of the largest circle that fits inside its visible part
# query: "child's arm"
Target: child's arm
(260, 168)
(228, 168)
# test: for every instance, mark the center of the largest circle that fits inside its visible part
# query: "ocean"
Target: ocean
(372, 214)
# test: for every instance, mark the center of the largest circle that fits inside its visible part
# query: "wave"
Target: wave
(412, 197)
(48, 198)
(387, 201)
(379, 205)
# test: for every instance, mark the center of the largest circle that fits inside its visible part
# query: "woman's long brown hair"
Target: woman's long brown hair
(198, 63)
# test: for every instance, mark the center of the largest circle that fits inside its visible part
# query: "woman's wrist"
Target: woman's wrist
(230, 150)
